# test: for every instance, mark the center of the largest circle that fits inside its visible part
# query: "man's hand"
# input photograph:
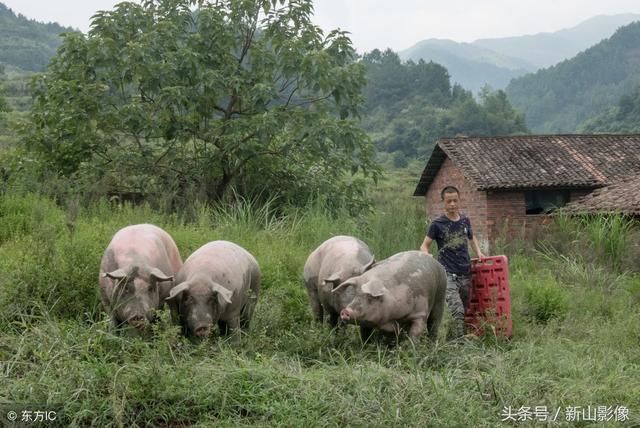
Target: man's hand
(476, 248)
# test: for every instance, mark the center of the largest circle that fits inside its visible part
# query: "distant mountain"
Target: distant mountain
(26, 43)
(546, 49)
(497, 61)
(469, 65)
(559, 98)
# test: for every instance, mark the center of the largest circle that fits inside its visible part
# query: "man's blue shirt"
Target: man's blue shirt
(451, 238)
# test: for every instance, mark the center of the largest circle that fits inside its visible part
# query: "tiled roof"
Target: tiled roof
(622, 197)
(534, 161)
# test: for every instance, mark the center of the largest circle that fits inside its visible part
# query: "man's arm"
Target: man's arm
(425, 245)
(476, 248)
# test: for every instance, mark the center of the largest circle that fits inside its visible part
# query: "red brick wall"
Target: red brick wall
(507, 216)
(472, 202)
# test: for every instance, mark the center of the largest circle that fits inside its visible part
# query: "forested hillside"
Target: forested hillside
(26, 43)
(561, 97)
(624, 118)
(410, 105)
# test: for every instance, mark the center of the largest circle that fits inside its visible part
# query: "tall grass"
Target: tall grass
(600, 238)
(609, 235)
(574, 344)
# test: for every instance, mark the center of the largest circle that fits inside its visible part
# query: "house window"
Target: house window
(545, 201)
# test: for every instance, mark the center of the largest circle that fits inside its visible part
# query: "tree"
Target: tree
(621, 119)
(4, 106)
(502, 118)
(234, 92)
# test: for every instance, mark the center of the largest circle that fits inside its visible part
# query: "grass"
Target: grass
(576, 340)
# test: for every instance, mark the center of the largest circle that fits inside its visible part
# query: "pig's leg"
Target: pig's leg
(434, 319)
(252, 300)
(365, 333)
(333, 318)
(416, 329)
(316, 307)
(234, 330)
(247, 312)
(223, 327)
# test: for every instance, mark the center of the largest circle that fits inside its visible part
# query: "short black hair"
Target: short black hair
(449, 189)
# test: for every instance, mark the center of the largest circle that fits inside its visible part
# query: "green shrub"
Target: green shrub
(24, 215)
(545, 301)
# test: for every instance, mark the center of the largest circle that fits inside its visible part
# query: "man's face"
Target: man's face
(451, 201)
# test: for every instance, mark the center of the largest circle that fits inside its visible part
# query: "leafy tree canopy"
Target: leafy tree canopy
(202, 95)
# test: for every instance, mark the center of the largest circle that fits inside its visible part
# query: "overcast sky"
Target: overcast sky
(396, 24)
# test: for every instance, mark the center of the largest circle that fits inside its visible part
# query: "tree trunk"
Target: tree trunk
(216, 191)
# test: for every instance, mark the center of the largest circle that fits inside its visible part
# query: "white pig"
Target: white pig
(218, 284)
(404, 292)
(136, 274)
(333, 262)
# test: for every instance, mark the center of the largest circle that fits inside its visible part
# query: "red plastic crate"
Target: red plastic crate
(489, 300)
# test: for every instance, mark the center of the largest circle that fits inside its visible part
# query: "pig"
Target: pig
(404, 292)
(333, 262)
(136, 274)
(218, 284)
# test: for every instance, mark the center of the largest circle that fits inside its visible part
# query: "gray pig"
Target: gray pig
(218, 284)
(334, 261)
(136, 274)
(405, 291)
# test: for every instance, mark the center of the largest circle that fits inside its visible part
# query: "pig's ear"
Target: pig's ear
(159, 276)
(333, 279)
(224, 295)
(370, 263)
(340, 288)
(177, 290)
(374, 289)
(116, 274)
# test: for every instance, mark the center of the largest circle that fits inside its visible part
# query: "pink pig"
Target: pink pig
(136, 274)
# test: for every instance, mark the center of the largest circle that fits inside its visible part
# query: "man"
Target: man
(451, 232)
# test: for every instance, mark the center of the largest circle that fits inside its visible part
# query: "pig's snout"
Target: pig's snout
(346, 314)
(137, 321)
(203, 331)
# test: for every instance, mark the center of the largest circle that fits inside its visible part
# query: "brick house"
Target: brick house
(509, 185)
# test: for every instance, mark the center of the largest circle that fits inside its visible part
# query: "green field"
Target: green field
(576, 323)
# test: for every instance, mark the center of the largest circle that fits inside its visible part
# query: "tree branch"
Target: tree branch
(286, 84)
(291, 96)
(315, 100)
(244, 161)
(249, 38)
